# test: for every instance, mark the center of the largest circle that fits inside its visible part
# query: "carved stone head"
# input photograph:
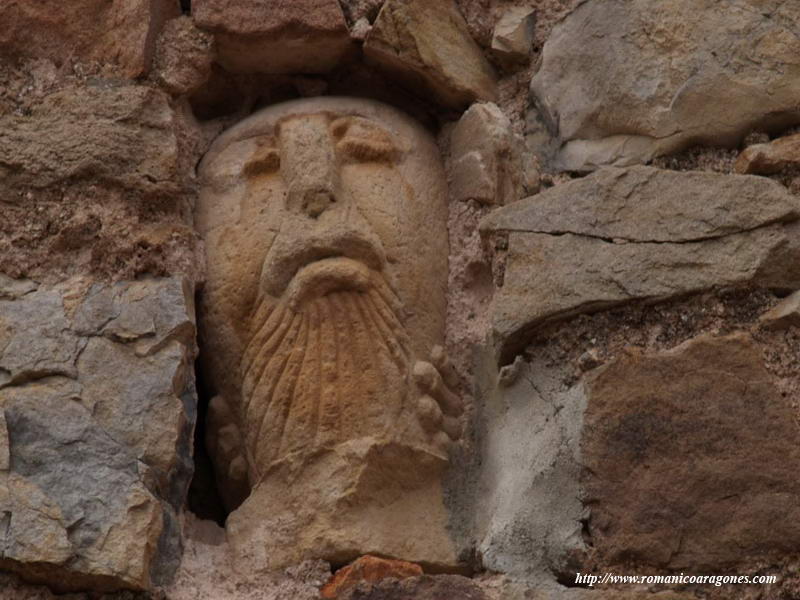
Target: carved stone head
(326, 239)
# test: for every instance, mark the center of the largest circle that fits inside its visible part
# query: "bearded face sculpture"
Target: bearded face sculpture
(322, 318)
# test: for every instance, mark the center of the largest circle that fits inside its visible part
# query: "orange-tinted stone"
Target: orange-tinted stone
(370, 569)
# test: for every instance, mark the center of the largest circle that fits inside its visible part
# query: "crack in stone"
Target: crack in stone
(623, 240)
(31, 377)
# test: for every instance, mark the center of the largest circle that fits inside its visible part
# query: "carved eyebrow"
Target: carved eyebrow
(265, 159)
(360, 140)
(357, 140)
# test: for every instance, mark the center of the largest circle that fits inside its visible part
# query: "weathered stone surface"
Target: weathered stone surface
(534, 429)
(485, 157)
(786, 314)
(183, 57)
(526, 516)
(550, 276)
(11, 289)
(426, 587)
(620, 235)
(765, 159)
(275, 36)
(513, 34)
(97, 397)
(645, 204)
(356, 10)
(325, 225)
(369, 569)
(106, 133)
(427, 44)
(623, 81)
(691, 458)
(97, 180)
(120, 33)
(360, 29)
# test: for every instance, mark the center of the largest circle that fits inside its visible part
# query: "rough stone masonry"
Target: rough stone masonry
(394, 299)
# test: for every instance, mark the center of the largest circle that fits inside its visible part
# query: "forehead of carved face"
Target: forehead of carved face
(311, 197)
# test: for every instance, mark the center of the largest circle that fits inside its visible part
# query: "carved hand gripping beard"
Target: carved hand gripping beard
(323, 312)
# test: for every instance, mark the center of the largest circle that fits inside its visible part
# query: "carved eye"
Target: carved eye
(264, 160)
(360, 140)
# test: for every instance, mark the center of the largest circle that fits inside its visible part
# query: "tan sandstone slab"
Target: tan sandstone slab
(126, 132)
(98, 405)
(622, 235)
(645, 204)
(98, 179)
(121, 33)
(766, 159)
(784, 315)
(427, 44)
(485, 157)
(623, 81)
(424, 587)
(184, 55)
(369, 569)
(275, 36)
(365, 11)
(691, 458)
(512, 39)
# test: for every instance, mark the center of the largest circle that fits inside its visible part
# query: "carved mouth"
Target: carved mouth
(292, 255)
(323, 277)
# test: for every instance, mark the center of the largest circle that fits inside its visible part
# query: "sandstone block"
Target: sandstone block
(425, 587)
(640, 465)
(97, 179)
(485, 157)
(645, 204)
(275, 36)
(11, 289)
(98, 404)
(691, 457)
(552, 276)
(120, 33)
(765, 159)
(427, 44)
(358, 10)
(126, 133)
(786, 314)
(622, 82)
(621, 235)
(369, 569)
(527, 511)
(184, 56)
(513, 35)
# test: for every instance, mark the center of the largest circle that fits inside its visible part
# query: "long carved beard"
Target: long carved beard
(336, 369)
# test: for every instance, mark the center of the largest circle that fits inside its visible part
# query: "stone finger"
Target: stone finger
(425, 376)
(446, 369)
(430, 382)
(430, 415)
(441, 441)
(452, 427)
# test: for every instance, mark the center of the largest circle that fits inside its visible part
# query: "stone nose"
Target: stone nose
(309, 165)
(312, 200)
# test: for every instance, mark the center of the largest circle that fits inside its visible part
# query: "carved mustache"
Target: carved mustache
(337, 369)
(339, 232)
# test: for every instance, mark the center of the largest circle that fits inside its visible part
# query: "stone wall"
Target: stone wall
(604, 378)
